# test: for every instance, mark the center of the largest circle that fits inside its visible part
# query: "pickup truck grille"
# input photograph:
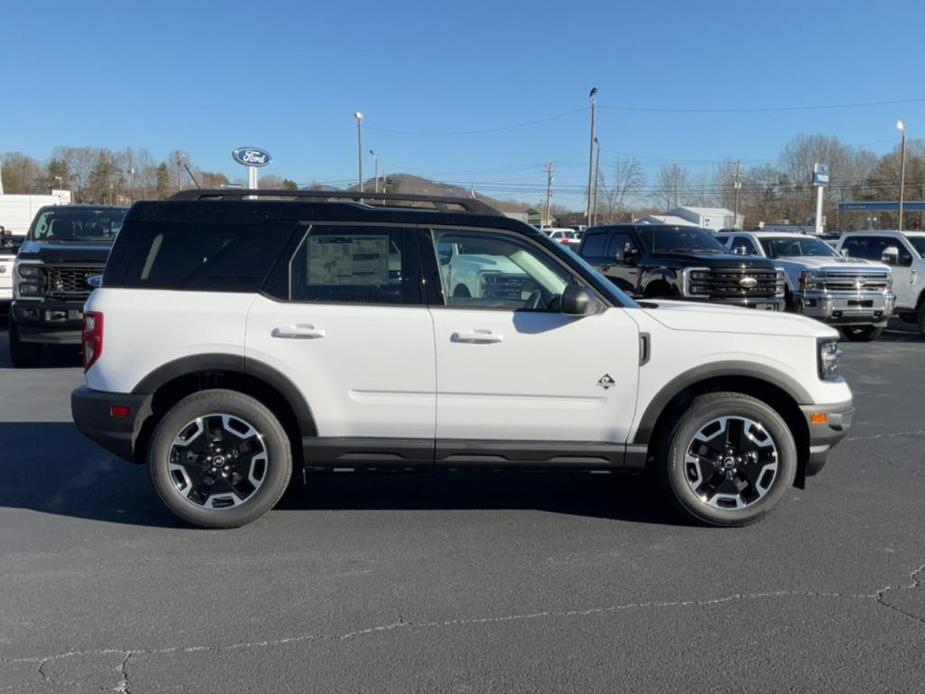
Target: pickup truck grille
(70, 281)
(730, 284)
(854, 281)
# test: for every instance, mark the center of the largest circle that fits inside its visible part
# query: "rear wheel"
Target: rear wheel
(729, 460)
(219, 459)
(862, 333)
(24, 355)
(920, 315)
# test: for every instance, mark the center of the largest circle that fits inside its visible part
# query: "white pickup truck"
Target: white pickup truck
(904, 251)
(9, 244)
(854, 294)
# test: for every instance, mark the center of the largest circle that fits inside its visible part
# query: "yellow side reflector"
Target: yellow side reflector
(819, 418)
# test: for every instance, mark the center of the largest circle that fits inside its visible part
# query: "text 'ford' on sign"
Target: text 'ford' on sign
(251, 156)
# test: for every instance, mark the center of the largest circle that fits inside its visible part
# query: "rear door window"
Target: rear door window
(357, 264)
(594, 245)
(618, 241)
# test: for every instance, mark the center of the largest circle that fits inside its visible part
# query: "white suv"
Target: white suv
(240, 335)
(905, 252)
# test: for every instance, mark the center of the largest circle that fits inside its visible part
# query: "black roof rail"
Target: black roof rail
(437, 202)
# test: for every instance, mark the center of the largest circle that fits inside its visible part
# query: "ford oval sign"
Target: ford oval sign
(251, 156)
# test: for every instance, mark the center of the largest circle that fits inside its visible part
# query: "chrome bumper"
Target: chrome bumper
(846, 308)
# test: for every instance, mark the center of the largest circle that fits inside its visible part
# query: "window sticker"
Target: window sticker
(348, 260)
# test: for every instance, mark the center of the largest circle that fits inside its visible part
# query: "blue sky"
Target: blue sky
(287, 76)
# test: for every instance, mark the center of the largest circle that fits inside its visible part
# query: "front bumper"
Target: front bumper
(48, 321)
(92, 413)
(766, 304)
(847, 308)
(827, 425)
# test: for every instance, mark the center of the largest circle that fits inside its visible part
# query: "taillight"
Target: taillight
(92, 339)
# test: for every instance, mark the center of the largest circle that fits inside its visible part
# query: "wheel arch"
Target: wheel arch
(171, 382)
(783, 393)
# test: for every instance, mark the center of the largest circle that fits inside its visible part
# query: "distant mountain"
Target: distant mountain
(417, 185)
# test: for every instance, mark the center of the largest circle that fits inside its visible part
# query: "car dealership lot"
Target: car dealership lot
(469, 582)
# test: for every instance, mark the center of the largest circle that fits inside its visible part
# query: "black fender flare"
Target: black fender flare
(721, 369)
(235, 364)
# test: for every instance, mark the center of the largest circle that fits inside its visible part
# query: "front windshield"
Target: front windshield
(679, 240)
(918, 242)
(76, 224)
(786, 247)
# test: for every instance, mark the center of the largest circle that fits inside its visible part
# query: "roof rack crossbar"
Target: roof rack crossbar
(439, 202)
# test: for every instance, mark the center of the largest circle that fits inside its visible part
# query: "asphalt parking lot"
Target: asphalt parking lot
(475, 582)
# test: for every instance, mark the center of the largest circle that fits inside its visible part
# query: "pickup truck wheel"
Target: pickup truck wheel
(862, 333)
(24, 355)
(219, 459)
(729, 460)
(920, 315)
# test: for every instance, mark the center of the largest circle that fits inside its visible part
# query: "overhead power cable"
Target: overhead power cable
(763, 109)
(480, 131)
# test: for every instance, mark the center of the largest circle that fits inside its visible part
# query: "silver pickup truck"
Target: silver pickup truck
(852, 293)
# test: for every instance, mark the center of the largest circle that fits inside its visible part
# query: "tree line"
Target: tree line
(778, 192)
(99, 175)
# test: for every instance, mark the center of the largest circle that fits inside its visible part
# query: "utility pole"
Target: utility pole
(376, 169)
(736, 186)
(550, 168)
(179, 165)
(902, 171)
(359, 116)
(591, 152)
(597, 176)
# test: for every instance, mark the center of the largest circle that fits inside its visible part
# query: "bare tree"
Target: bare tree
(672, 186)
(627, 181)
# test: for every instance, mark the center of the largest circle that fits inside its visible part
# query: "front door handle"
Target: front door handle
(476, 337)
(299, 332)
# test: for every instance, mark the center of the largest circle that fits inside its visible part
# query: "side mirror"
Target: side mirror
(95, 281)
(844, 252)
(576, 301)
(629, 254)
(890, 255)
(740, 250)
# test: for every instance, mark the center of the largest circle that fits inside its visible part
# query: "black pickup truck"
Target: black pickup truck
(66, 246)
(675, 262)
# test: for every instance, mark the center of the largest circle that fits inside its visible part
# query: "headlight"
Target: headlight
(695, 282)
(781, 284)
(29, 289)
(807, 280)
(28, 279)
(829, 356)
(28, 271)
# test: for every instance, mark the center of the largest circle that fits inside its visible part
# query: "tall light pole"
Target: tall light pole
(902, 170)
(359, 116)
(550, 168)
(737, 184)
(131, 184)
(591, 152)
(376, 168)
(597, 175)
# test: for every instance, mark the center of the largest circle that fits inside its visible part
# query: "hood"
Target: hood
(719, 318)
(840, 263)
(65, 252)
(716, 260)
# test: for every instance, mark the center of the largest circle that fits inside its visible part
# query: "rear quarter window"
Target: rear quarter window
(594, 245)
(201, 257)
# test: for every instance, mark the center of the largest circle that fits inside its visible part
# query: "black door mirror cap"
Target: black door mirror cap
(577, 301)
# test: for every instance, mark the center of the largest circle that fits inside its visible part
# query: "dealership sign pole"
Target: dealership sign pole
(253, 158)
(820, 180)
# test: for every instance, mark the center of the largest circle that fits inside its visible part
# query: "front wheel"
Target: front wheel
(24, 355)
(862, 333)
(729, 460)
(219, 459)
(920, 316)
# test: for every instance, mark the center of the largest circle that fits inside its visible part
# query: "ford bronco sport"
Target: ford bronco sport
(241, 335)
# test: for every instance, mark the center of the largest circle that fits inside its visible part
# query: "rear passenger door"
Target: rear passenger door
(872, 248)
(344, 319)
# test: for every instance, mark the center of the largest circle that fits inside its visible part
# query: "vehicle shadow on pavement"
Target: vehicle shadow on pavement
(616, 497)
(50, 467)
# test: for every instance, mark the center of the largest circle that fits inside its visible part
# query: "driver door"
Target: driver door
(510, 366)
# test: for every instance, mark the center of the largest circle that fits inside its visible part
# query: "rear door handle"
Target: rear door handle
(478, 336)
(299, 332)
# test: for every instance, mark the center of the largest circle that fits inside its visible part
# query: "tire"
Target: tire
(764, 486)
(862, 333)
(920, 317)
(254, 448)
(23, 355)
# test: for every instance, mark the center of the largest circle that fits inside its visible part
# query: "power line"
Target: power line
(481, 131)
(764, 109)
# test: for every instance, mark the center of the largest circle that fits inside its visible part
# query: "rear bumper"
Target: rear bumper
(92, 413)
(847, 308)
(823, 435)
